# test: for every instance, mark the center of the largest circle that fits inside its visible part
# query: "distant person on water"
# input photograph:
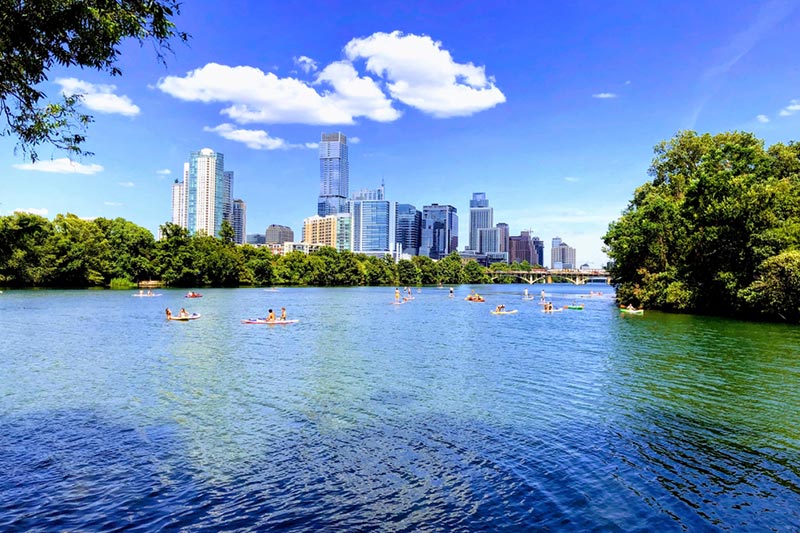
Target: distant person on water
(631, 307)
(283, 313)
(499, 308)
(397, 294)
(270, 316)
(541, 296)
(452, 293)
(184, 312)
(169, 313)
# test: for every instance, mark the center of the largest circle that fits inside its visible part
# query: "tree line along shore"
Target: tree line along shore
(715, 231)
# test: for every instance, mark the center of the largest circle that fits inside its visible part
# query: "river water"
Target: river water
(432, 415)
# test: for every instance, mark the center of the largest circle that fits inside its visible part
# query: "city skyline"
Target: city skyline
(552, 110)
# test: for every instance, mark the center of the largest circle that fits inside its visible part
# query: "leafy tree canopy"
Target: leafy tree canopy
(36, 35)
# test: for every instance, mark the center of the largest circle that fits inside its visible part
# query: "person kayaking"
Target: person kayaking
(270, 316)
(283, 313)
(631, 307)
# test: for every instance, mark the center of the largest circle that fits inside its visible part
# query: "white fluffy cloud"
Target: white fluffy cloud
(305, 63)
(164, 172)
(266, 98)
(112, 204)
(99, 98)
(255, 139)
(415, 70)
(60, 166)
(41, 211)
(421, 74)
(604, 96)
(791, 109)
(762, 118)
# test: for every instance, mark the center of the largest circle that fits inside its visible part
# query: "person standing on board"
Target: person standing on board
(283, 314)
(396, 294)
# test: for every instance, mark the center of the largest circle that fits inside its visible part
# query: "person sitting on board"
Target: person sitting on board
(283, 314)
(183, 313)
(169, 313)
(149, 292)
(271, 316)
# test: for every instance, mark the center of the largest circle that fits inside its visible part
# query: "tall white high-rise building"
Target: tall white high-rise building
(481, 216)
(203, 199)
(179, 202)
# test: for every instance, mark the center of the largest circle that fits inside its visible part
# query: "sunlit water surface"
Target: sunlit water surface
(433, 415)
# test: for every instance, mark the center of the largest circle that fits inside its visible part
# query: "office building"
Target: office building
(409, 228)
(488, 240)
(502, 237)
(480, 217)
(256, 239)
(239, 220)
(332, 230)
(562, 256)
(439, 231)
(373, 226)
(538, 251)
(279, 234)
(334, 173)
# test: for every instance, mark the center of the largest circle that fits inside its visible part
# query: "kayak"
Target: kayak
(265, 321)
(474, 299)
(196, 295)
(512, 312)
(576, 307)
(631, 311)
(193, 316)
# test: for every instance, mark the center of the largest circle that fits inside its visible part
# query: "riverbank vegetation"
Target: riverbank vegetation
(716, 230)
(70, 252)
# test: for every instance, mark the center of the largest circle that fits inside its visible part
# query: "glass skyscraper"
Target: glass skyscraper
(409, 228)
(439, 231)
(334, 172)
(373, 226)
(204, 198)
(239, 220)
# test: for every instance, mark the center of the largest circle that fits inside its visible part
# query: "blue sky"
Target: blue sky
(551, 109)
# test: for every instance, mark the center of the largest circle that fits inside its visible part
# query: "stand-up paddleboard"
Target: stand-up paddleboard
(147, 295)
(552, 310)
(193, 316)
(265, 321)
(397, 303)
(512, 312)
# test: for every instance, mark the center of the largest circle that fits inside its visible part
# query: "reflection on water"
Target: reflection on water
(431, 415)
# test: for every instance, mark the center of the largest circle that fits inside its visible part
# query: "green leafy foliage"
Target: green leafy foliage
(716, 214)
(36, 35)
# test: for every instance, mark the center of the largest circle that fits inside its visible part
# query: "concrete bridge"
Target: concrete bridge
(546, 275)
